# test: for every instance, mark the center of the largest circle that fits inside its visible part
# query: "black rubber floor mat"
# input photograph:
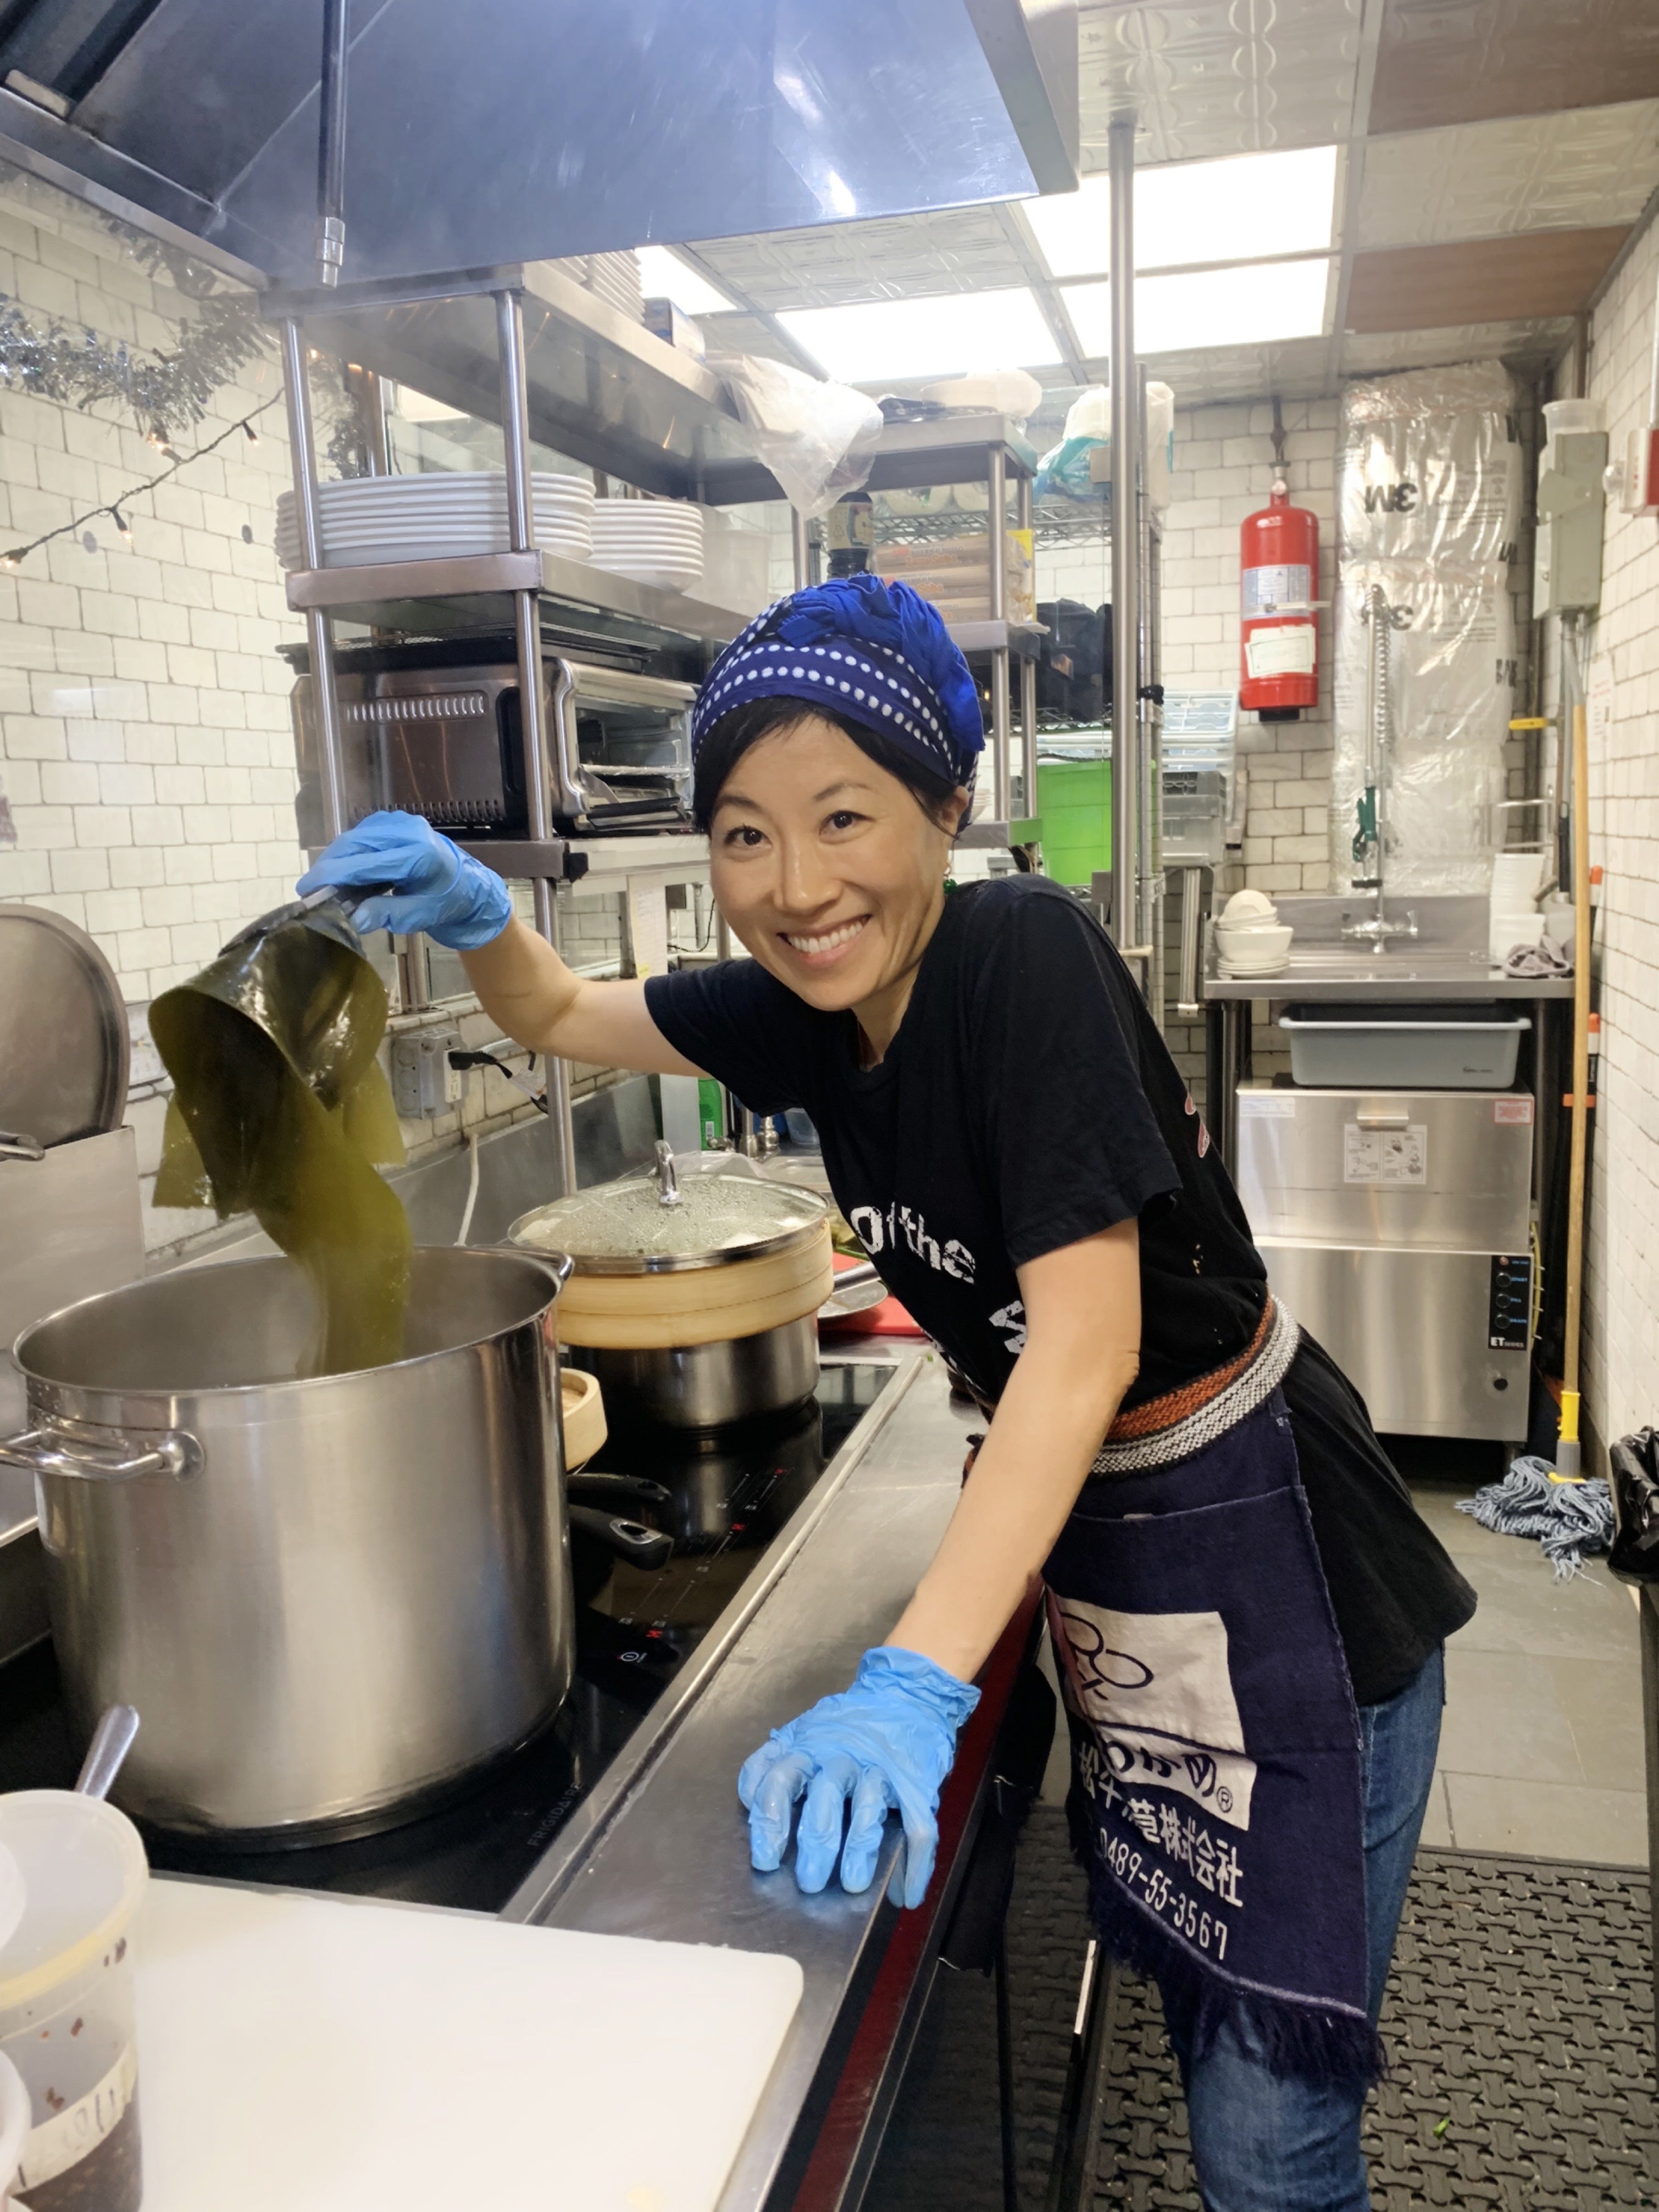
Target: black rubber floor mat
(1520, 2019)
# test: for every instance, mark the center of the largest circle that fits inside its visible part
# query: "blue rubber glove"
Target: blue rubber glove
(890, 1741)
(437, 887)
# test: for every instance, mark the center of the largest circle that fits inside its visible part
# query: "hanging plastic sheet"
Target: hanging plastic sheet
(1429, 507)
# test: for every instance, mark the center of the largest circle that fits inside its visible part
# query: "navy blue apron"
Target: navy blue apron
(1217, 1791)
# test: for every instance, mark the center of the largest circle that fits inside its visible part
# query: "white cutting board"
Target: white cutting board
(308, 2054)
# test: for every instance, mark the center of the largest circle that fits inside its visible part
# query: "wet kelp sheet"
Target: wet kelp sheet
(280, 1109)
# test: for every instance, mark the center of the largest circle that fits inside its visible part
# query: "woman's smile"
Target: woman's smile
(820, 947)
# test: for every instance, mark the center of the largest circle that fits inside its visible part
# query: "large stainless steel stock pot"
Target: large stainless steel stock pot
(328, 1598)
(693, 1300)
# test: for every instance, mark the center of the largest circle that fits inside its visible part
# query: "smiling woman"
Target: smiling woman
(1196, 1485)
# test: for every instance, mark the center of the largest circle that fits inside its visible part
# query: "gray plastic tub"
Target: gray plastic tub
(1436, 1048)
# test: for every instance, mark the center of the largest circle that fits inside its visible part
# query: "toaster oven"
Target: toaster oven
(446, 741)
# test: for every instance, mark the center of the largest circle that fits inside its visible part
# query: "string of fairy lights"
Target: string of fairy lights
(115, 509)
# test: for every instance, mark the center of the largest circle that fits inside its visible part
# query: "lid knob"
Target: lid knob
(668, 1185)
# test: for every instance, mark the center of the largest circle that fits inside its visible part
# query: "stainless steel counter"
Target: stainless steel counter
(1403, 974)
(663, 1851)
(1446, 959)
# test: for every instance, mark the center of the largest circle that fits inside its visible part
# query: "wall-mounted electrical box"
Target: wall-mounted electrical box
(1571, 504)
(423, 1081)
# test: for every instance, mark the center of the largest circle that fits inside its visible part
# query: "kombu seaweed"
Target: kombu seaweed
(280, 1109)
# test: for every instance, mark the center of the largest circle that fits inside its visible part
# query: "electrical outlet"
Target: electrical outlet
(423, 1081)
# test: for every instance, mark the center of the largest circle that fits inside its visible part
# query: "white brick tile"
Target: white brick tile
(135, 866)
(69, 783)
(75, 870)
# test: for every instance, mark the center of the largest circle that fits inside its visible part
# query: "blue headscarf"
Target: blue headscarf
(877, 653)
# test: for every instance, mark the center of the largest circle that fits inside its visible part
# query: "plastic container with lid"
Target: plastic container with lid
(66, 1999)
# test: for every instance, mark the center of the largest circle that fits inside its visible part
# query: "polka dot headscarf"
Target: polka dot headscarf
(876, 653)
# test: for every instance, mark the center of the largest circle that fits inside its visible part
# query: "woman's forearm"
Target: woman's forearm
(1024, 1482)
(1082, 1305)
(523, 984)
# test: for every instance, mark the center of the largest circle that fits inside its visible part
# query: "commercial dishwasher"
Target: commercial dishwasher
(1397, 1227)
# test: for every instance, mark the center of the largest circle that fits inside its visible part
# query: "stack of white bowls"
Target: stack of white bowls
(1513, 917)
(654, 541)
(1250, 937)
(437, 516)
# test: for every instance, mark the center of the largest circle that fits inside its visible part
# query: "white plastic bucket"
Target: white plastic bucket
(67, 1998)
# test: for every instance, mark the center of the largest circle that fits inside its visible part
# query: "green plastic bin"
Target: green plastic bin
(1075, 801)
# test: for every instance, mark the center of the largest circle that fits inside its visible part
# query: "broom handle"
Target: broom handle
(1581, 1008)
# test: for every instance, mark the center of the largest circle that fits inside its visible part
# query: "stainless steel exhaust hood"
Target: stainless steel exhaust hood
(508, 130)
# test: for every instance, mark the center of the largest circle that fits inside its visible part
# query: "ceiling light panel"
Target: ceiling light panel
(899, 339)
(1249, 207)
(664, 275)
(1213, 76)
(1580, 169)
(1274, 300)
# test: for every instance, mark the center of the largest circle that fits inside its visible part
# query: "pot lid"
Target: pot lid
(654, 1223)
(64, 1037)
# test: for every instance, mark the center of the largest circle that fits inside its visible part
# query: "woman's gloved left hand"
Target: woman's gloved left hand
(888, 1741)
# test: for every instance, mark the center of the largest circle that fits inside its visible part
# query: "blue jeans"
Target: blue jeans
(1264, 2144)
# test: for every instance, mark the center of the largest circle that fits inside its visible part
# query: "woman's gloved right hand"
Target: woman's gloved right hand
(433, 886)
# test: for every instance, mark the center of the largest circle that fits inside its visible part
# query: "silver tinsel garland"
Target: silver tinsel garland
(167, 392)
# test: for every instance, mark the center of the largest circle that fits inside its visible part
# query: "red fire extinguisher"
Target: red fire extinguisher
(1279, 649)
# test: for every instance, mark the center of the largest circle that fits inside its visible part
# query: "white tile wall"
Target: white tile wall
(1621, 1345)
(146, 754)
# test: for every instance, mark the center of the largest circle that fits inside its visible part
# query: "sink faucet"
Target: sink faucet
(1367, 840)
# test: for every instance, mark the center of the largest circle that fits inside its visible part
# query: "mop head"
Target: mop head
(1568, 1518)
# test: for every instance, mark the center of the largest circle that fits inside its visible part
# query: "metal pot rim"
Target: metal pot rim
(219, 1392)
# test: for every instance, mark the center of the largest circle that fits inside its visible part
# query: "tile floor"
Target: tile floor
(1540, 1751)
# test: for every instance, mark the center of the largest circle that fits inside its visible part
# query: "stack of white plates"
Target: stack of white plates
(365, 519)
(654, 541)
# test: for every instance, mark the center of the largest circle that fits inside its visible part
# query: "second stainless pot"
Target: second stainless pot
(696, 1306)
(328, 1598)
(706, 1386)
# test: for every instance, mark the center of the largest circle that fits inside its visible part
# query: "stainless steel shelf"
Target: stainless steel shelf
(984, 836)
(951, 449)
(1023, 639)
(383, 594)
(599, 388)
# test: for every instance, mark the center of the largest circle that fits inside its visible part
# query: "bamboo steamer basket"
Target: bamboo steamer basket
(582, 1405)
(668, 1277)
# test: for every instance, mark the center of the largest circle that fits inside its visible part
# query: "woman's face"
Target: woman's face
(825, 866)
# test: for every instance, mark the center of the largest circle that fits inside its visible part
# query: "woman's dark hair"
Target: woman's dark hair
(735, 733)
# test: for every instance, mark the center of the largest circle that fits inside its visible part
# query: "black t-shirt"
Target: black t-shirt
(1027, 1102)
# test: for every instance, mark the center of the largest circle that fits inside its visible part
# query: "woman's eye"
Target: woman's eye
(845, 819)
(746, 835)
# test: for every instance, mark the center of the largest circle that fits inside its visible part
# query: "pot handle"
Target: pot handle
(632, 1540)
(46, 1451)
(559, 1265)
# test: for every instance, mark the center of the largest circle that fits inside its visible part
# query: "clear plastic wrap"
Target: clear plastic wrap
(1429, 506)
(818, 439)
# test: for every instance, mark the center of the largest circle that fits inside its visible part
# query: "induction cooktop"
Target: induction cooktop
(729, 1494)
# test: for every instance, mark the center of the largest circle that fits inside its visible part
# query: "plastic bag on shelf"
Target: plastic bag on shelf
(1070, 468)
(818, 439)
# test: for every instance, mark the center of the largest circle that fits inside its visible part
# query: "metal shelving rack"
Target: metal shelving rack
(524, 346)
